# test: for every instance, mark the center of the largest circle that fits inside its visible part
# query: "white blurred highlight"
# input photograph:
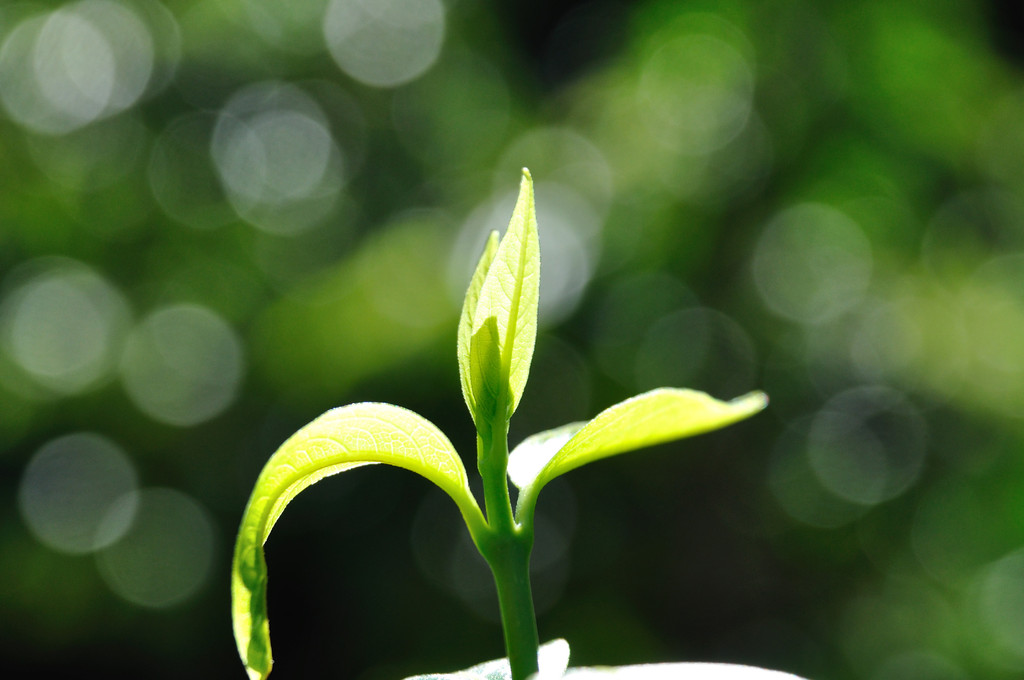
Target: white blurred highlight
(69, 487)
(166, 555)
(276, 158)
(182, 365)
(384, 43)
(812, 263)
(77, 64)
(63, 326)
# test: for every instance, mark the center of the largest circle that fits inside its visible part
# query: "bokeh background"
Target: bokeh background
(219, 218)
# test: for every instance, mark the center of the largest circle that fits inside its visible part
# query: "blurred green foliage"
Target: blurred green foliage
(219, 218)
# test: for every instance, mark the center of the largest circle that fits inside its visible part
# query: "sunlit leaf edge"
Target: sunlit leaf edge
(465, 333)
(658, 416)
(339, 440)
(510, 293)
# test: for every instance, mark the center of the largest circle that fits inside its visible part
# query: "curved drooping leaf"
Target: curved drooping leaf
(466, 325)
(650, 418)
(339, 440)
(509, 294)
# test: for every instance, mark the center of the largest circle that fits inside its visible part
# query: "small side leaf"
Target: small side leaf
(510, 293)
(465, 337)
(650, 418)
(339, 440)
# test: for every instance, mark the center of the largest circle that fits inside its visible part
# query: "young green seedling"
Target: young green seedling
(496, 338)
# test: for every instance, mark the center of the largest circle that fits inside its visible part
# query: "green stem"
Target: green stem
(506, 547)
(493, 467)
(511, 568)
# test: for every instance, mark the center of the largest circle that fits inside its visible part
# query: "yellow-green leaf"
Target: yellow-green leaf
(485, 373)
(465, 337)
(531, 455)
(650, 418)
(509, 294)
(339, 440)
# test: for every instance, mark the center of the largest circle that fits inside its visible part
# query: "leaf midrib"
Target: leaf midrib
(517, 293)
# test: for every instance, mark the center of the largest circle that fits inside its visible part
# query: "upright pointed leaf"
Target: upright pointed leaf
(339, 440)
(650, 418)
(465, 338)
(510, 293)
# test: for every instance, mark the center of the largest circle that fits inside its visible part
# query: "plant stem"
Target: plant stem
(493, 467)
(506, 548)
(511, 569)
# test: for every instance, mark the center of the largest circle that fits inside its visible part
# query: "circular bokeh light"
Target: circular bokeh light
(166, 554)
(68, 489)
(182, 365)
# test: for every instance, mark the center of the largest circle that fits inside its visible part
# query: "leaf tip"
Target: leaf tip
(752, 402)
(526, 175)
